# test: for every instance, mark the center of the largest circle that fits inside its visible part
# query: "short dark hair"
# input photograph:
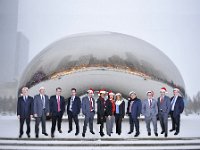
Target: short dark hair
(58, 88)
(73, 89)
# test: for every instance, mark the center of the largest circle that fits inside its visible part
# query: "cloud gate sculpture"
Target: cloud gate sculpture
(114, 61)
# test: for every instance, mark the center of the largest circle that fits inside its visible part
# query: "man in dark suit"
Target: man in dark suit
(25, 111)
(73, 109)
(177, 107)
(88, 110)
(57, 109)
(41, 110)
(136, 107)
(164, 107)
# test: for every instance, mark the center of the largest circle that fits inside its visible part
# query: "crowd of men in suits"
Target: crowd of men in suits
(109, 111)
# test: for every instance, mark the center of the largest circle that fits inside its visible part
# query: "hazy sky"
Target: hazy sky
(173, 26)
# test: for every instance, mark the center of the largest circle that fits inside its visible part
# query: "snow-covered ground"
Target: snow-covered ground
(9, 126)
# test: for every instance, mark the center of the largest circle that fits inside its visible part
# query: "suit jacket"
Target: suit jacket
(76, 106)
(86, 105)
(101, 110)
(136, 108)
(147, 111)
(179, 106)
(121, 109)
(127, 109)
(165, 106)
(54, 105)
(109, 110)
(25, 109)
(38, 106)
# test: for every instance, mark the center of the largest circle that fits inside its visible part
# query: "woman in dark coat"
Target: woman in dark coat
(101, 111)
(119, 112)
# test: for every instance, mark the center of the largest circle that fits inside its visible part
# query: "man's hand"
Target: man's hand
(47, 114)
(31, 116)
(35, 115)
(18, 116)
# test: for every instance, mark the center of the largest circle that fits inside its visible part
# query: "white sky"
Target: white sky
(173, 26)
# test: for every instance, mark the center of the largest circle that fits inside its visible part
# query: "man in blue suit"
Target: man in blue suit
(25, 111)
(136, 107)
(164, 107)
(88, 110)
(177, 107)
(41, 110)
(57, 109)
(73, 109)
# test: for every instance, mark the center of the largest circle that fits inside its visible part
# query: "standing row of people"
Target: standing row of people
(108, 111)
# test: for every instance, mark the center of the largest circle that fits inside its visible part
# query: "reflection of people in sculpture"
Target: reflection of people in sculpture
(25, 111)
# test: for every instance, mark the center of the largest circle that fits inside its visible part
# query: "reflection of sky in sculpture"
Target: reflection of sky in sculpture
(107, 50)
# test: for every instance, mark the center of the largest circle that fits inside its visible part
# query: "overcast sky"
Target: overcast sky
(173, 26)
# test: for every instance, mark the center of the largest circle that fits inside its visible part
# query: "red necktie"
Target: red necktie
(161, 100)
(58, 103)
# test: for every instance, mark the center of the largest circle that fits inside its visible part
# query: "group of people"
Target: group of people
(109, 111)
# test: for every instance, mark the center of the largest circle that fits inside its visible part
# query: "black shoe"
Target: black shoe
(83, 134)
(69, 131)
(119, 133)
(20, 136)
(60, 131)
(137, 134)
(52, 135)
(176, 133)
(130, 132)
(171, 130)
(156, 134)
(28, 135)
(92, 132)
(162, 132)
(109, 134)
(36, 136)
(76, 133)
(102, 134)
(149, 134)
(45, 134)
(165, 135)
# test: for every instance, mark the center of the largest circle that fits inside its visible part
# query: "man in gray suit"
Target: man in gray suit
(150, 111)
(41, 110)
(164, 106)
(88, 110)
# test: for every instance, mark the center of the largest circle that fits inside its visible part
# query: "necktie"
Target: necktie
(71, 103)
(91, 107)
(161, 100)
(24, 98)
(172, 103)
(43, 102)
(58, 102)
(150, 103)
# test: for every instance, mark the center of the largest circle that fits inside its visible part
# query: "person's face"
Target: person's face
(176, 93)
(42, 91)
(58, 92)
(133, 96)
(118, 97)
(73, 92)
(102, 95)
(111, 96)
(162, 93)
(25, 91)
(90, 94)
(149, 95)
